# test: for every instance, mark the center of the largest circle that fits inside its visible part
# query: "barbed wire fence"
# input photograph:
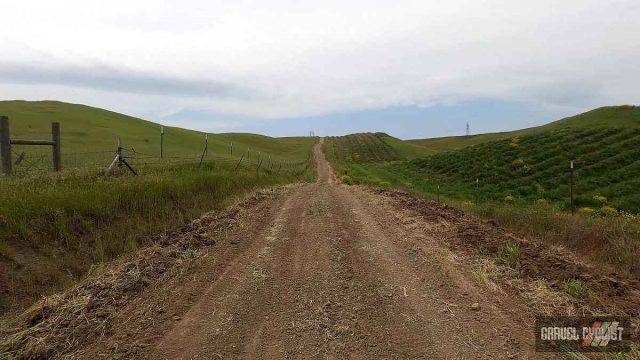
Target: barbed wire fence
(33, 161)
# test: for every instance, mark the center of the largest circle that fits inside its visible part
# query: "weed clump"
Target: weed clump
(578, 290)
(508, 254)
(346, 179)
(608, 211)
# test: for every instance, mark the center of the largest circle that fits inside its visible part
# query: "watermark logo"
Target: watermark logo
(584, 334)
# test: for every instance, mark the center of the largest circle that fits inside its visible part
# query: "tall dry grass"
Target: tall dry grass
(614, 240)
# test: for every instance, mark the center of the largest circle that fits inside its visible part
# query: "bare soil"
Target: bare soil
(324, 271)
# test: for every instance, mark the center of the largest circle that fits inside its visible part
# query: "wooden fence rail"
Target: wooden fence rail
(6, 141)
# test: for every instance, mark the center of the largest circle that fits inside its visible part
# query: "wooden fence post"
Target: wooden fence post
(5, 145)
(204, 152)
(238, 164)
(161, 141)
(55, 138)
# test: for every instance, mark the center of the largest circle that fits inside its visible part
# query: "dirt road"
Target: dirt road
(309, 271)
(334, 272)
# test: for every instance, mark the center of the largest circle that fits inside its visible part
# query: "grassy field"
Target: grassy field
(611, 116)
(89, 138)
(522, 168)
(56, 226)
(522, 180)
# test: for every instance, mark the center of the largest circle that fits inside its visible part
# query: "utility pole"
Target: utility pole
(467, 128)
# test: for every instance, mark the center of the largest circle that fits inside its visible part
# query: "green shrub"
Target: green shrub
(608, 211)
(600, 199)
(346, 179)
(518, 163)
(587, 211)
(509, 199)
(542, 202)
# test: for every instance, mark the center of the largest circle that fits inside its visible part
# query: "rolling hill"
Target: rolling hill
(89, 135)
(525, 165)
(624, 116)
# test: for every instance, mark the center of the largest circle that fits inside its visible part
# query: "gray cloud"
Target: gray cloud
(119, 80)
(282, 59)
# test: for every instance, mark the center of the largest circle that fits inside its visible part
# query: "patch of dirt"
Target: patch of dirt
(614, 294)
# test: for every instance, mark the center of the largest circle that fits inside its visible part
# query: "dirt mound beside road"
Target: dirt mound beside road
(608, 292)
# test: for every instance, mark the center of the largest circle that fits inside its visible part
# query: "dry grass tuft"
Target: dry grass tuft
(548, 301)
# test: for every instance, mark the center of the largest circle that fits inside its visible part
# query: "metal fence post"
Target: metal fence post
(5, 145)
(573, 207)
(55, 138)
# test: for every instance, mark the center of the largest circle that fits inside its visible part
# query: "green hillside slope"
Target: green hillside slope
(89, 135)
(525, 165)
(624, 116)
(531, 167)
(361, 148)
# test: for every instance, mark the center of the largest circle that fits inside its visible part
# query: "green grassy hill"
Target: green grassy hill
(361, 148)
(89, 136)
(625, 116)
(371, 148)
(536, 166)
(523, 179)
(525, 165)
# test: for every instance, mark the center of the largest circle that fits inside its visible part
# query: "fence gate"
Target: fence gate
(6, 141)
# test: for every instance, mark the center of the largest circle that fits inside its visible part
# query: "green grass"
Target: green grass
(360, 148)
(521, 170)
(535, 167)
(625, 116)
(508, 254)
(56, 226)
(88, 137)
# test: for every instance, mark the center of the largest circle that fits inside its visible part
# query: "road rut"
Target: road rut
(335, 274)
(307, 271)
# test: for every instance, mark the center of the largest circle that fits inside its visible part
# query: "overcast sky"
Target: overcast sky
(411, 68)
